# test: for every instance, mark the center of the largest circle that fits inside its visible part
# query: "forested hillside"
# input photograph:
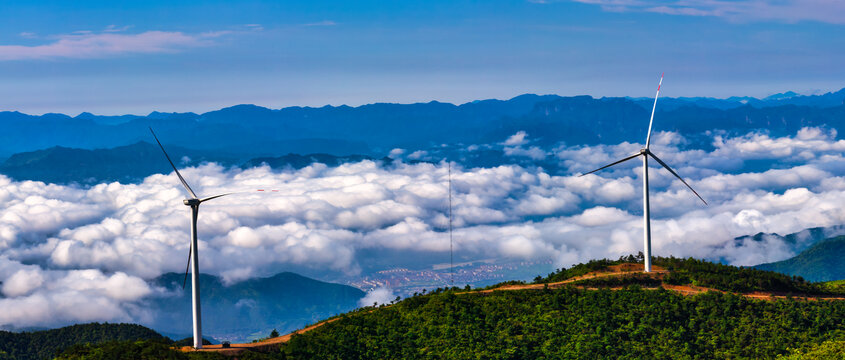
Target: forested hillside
(46, 344)
(573, 323)
(631, 316)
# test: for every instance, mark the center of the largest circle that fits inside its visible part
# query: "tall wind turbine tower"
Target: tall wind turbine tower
(193, 257)
(645, 153)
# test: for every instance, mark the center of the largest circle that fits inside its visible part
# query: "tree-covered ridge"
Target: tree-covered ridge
(567, 321)
(692, 272)
(570, 323)
(46, 344)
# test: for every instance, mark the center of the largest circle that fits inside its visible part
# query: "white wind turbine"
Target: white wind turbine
(645, 153)
(193, 258)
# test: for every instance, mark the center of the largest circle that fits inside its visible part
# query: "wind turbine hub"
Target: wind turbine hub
(643, 151)
(191, 202)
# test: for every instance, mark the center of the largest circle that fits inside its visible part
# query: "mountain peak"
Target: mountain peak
(781, 96)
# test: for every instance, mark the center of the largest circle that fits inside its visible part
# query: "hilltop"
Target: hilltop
(606, 311)
(601, 309)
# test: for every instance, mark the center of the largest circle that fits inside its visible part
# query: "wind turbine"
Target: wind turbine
(645, 153)
(193, 258)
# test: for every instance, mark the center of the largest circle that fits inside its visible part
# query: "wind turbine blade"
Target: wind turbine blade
(184, 282)
(653, 107)
(677, 176)
(607, 166)
(184, 183)
(214, 197)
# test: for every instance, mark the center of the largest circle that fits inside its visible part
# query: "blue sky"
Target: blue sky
(116, 57)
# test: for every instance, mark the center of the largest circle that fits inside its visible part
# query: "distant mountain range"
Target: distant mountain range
(126, 164)
(285, 302)
(830, 99)
(89, 149)
(820, 262)
(376, 128)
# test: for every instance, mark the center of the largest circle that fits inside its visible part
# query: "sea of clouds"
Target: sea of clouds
(71, 254)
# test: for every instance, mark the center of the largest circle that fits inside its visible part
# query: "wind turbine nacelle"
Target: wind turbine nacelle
(191, 202)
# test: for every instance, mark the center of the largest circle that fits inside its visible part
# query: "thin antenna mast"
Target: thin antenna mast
(451, 258)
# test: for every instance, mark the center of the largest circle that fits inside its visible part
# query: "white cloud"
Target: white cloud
(36, 297)
(517, 139)
(89, 242)
(418, 155)
(396, 153)
(533, 152)
(379, 295)
(22, 282)
(513, 146)
(789, 11)
(322, 23)
(111, 42)
(807, 144)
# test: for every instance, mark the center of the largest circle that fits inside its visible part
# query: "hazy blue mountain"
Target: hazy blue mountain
(374, 129)
(126, 164)
(234, 135)
(132, 163)
(830, 99)
(820, 262)
(576, 120)
(795, 242)
(297, 161)
(106, 120)
(285, 302)
(781, 96)
(798, 241)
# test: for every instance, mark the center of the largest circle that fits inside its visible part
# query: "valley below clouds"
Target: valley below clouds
(73, 254)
